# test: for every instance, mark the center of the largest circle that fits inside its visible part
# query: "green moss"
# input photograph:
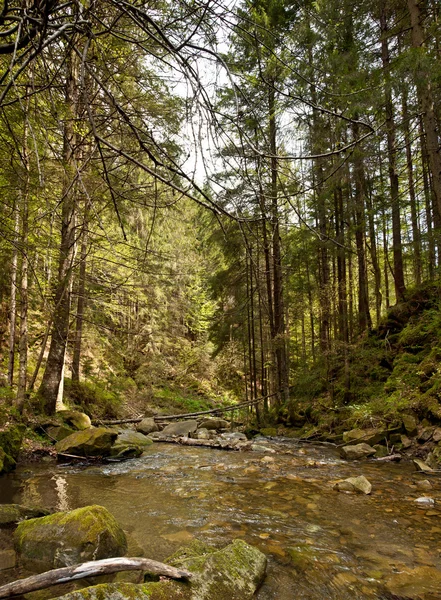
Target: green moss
(68, 537)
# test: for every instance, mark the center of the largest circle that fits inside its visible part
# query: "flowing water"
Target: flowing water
(321, 544)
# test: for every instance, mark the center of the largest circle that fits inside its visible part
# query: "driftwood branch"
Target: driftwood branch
(212, 411)
(89, 569)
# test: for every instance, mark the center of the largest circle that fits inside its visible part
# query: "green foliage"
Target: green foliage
(94, 399)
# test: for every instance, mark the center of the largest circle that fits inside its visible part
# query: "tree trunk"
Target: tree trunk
(400, 287)
(279, 340)
(23, 344)
(423, 83)
(60, 328)
(81, 301)
(13, 297)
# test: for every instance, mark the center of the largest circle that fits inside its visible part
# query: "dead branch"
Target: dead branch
(90, 569)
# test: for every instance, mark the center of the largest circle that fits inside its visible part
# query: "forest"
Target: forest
(210, 202)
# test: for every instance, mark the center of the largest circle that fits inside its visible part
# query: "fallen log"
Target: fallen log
(221, 444)
(90, 569)
(213, 411)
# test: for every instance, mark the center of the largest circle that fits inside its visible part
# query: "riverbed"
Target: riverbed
(321, 544)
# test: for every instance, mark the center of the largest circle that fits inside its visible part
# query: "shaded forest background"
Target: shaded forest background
(204, 203)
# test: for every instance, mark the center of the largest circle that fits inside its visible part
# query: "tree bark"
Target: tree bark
(23, 344)
(60, 328)
(400, 287)
(423, 83)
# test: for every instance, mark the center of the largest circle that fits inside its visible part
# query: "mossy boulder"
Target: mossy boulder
(130, 443)
(147, 425)
(10, 514)
(370, 436)
(95, 441)
(11, 438)
(68, 538)
(233, 573)
(357, 451)
(75, 419)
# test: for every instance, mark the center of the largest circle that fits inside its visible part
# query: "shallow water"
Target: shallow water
(320, 543)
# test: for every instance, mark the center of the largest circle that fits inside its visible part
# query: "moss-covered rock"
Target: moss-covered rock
(76, 419)
(11, 514)
(67, 538)
(95, 441)
(369, 436)
(11, 438)
(233, 573)
(130, 443)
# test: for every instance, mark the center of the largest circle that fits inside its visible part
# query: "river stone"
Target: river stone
(233, 573)
(95, 441)
(422, 583)
(405, 442)
(422, 466)
(356, 452)
(354, 484)
(425, 435)
(212, 424)
(368, 436)
(147, 426)
(180, 428)
(76, 419)
(8, 559)
(410, 425)
(234, 435)
(130, 444)
(10, 514)
(436, 436)
(68, 538)
(424, 484)
(202, 434)
(425, 502)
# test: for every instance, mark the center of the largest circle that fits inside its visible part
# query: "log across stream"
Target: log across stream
(320, 543)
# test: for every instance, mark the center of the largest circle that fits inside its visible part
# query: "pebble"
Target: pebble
(425, 501)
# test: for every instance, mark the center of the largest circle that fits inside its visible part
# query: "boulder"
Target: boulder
(425, 434)
(420, 465)
(410, 425)
(147, 426)
(10, 443)
(380, 451)
(356, 452)
(370, 436)
(354, 484)
(10, 514)
(421, 583)
(130, 444)
(67, 538)
(211, 424)
(76, 419)
(180, 428)
(58, 432)
(405, 442)
(95, 441)
(233, 573)
(202, 434)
